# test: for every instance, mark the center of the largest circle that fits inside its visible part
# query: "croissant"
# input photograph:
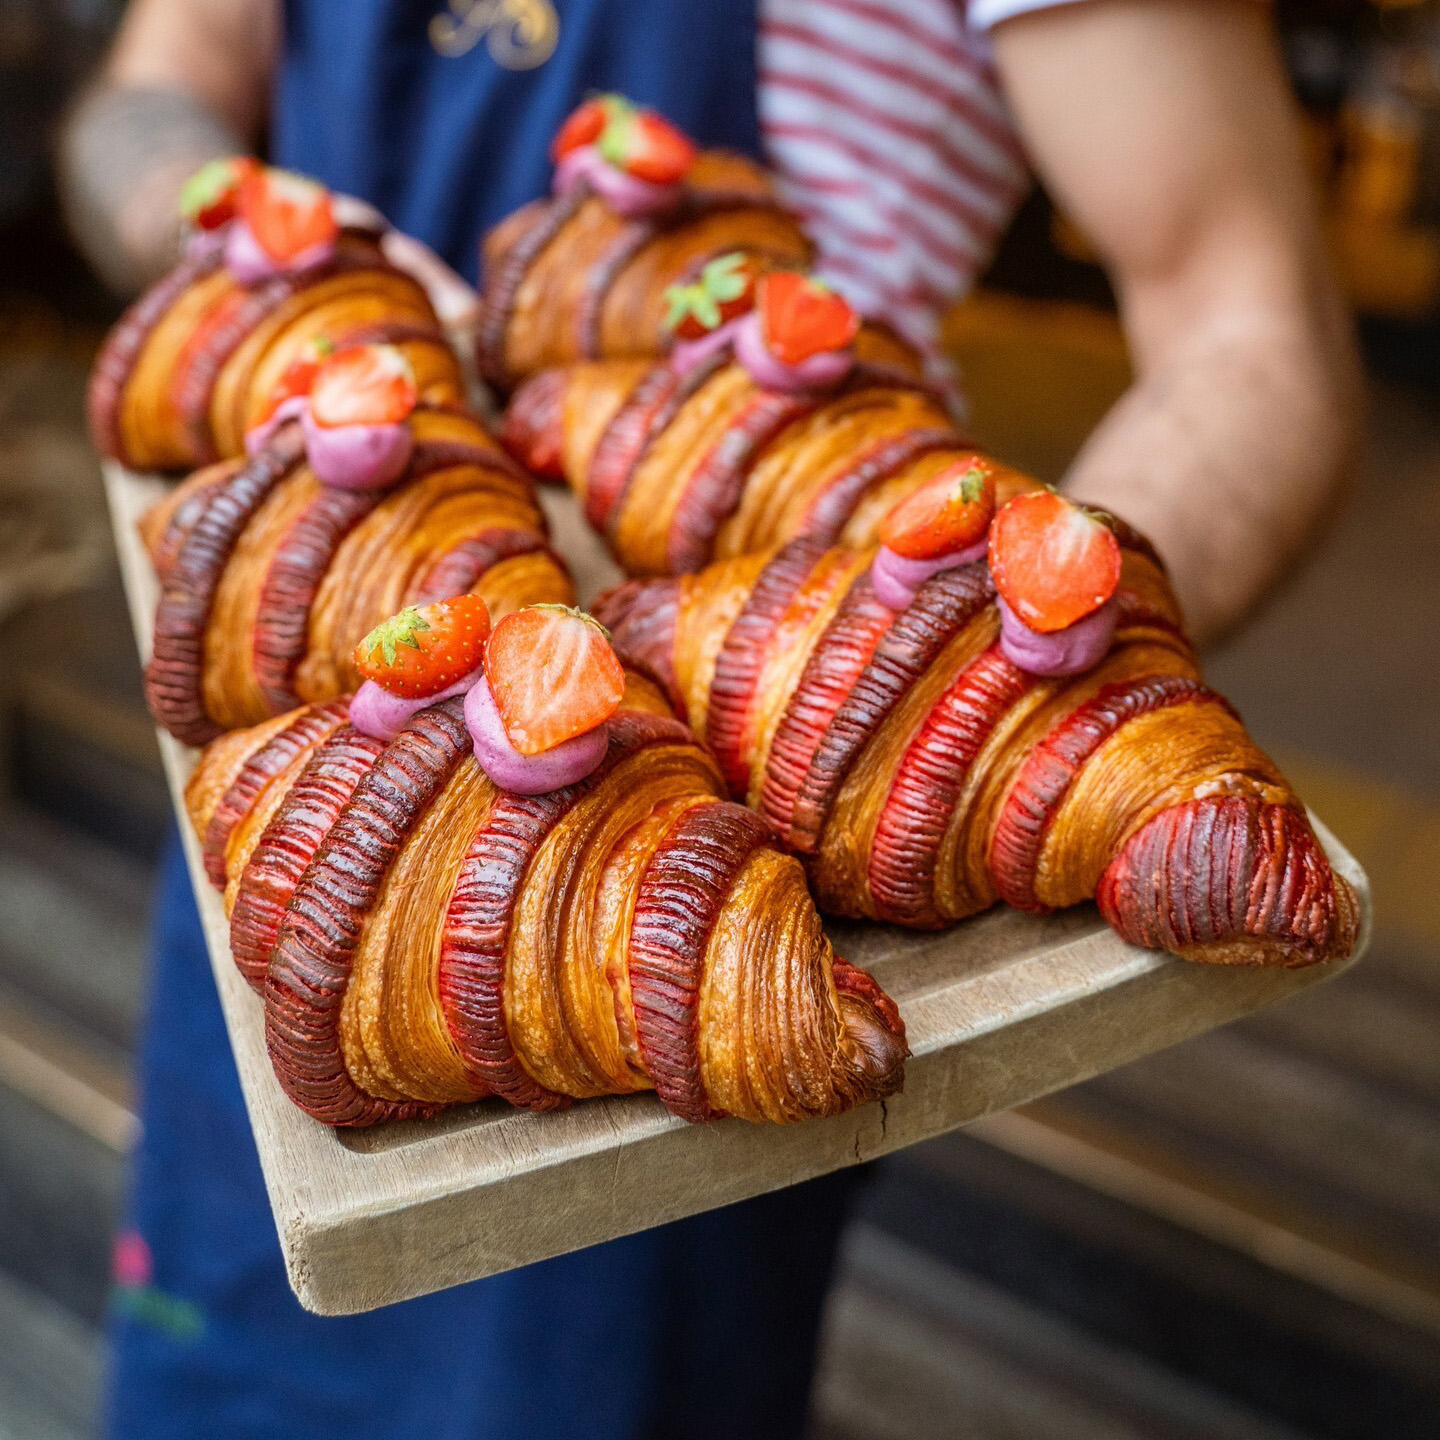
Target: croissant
(191, 365)
(567, 278)
(678, 470)
(422, 938)
(922, 775)
(269, 578)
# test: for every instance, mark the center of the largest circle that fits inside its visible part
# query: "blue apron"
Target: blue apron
(699, 1329)
(404, 104)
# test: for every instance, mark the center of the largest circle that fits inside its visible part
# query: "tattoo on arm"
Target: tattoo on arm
(124, 154)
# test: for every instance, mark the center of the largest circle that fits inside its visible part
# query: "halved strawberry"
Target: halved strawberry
(210, 197)
(801, 316)
(586, 123)
(298, 377)
(951, 511)
(286, 213)
(725, 289)
(363, 385)
(1053, 563)
(426, 648)
(645, 144)
(553, 674)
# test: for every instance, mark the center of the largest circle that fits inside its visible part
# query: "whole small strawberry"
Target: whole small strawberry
(210, 198)
(725, 289)
(363, 385)
(426, 648)
(801, 316)
(586, 123)
(553, 674)
(949, 512)
(1053, 562)
(640, 142)
(298, 377)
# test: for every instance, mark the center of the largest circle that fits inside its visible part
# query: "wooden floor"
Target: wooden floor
(1237, 1238)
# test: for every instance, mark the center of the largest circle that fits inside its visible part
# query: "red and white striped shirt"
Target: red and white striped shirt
(886, 126)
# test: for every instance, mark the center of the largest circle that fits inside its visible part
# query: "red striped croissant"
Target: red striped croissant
(676, 471)
(269, 579)
(923, 776)
(566, 278)
(192, 365)
(422, 939)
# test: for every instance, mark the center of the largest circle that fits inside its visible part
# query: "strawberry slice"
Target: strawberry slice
(586, 123)
(210, 197)
(801, 316)
(286, 213)
(553, 675)
(949, 512)
(725, 289)
(298, 377)
(1053, 562)
(645, 144)
(426, 648)
(363, 385)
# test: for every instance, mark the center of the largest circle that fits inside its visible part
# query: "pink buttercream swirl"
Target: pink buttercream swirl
(374, 711)
(357, 457)
(897, 578)
(626, 195)
(292, 407)
(202, 245)
(564, 764)
(250, 263)
(688, 355)
(816, 372)
(1070, 651)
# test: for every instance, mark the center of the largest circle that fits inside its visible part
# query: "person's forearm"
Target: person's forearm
(1166, 131)
(1229, 454)
(185, 82)
(124, 155)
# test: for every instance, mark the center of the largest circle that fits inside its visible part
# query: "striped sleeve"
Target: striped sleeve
(885, 124)
(982, 14)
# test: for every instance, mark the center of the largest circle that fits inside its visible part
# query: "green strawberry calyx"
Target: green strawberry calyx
(722, 280)
(615, 139)
(398, 630)
(208, 186)
(972, 484)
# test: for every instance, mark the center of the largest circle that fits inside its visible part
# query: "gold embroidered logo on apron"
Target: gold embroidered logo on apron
(519, 34)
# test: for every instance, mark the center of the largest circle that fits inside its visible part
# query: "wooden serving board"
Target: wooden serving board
(1001, 1009)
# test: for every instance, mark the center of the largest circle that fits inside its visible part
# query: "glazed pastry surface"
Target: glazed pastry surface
(192, 364)
(566, 278)
(422, 938)
(269, 579)
(678, 470)
(922, 775)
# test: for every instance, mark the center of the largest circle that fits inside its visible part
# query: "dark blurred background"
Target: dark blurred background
(1237, 1239)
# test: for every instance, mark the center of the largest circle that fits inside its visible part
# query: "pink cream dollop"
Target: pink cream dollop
(293, 407)
(626, 195)
(688, 355)
(568, 762)
(203, 245)
(250, 263)
(357, 457)
(1070, 651)
(374, 711)
(816, 372)
(896, 578)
